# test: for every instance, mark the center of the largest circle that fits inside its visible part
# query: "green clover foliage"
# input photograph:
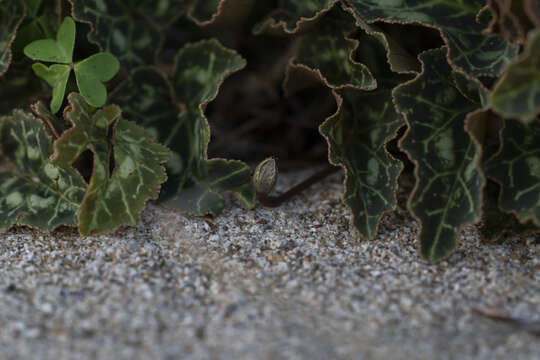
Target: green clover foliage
(90, 73)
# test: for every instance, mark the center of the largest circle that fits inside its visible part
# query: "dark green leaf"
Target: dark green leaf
(116, 198)
(517, 169)
(203, 10)
(223, 13)
(448, 190)
(484, 126)
(129, 29)
(532, 9)
(329, 52)
(306, 8)
(37, 192)
(469, 50)
(517, 93)
(148, 99)
(484, 16)
(19, 88)
(88, 131)
(496, 222)
(199, 71)
(357, 134)
(32, 6)
(204, 197)
(11, 15)
(294, 16)
(52, 123)
(41, 21)
(400, 60)
(174, 111)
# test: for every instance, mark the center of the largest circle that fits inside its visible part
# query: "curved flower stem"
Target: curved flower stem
(274, 201)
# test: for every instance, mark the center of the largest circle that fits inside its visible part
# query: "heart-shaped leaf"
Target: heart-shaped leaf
(329, 52)
(227, 13)
(448, 190)
(90, 75)
(516, 167)
(294, 16)
(114, 197)
(469, 49)
(129, 29)
(36, 192)
(53, 124)
(174, 110)
(59, 50)
(57, 76)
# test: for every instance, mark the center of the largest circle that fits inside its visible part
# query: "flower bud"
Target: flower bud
(265, 176)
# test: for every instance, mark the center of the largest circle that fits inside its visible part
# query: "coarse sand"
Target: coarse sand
(293, 282)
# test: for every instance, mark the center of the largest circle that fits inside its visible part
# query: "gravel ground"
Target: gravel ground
(287, 283)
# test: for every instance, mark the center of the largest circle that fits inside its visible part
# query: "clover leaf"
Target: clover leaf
(59, 50)
(57, 76)
(90, 73)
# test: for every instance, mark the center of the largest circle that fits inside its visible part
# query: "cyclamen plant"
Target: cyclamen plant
(451, 90)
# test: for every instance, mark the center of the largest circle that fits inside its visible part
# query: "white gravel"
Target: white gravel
(287, 283)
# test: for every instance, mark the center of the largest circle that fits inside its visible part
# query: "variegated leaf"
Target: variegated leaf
(448, 190)
(129, 29)
(329, 52)
(148, 99)
(357, 134)
(36, 192)
(517, 169)
(174, 110)
(495, 223)
(294, 16)
(470, 50)
(227, 13)
(400, 60)
(113, 198)
(517, 93)
(484, 126)
(220, 175)
(199, 71)
(54, 125)
(512, 19)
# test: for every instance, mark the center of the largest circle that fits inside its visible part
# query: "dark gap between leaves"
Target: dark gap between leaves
(84, 165)
(407, 35)
(252, 119)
